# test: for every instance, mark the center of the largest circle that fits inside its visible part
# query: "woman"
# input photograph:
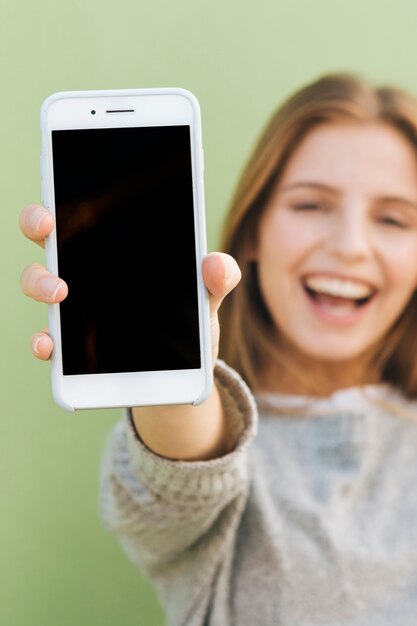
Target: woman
(313, 520)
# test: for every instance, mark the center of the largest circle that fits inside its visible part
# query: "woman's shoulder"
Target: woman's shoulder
(360, 418)
(377, 398)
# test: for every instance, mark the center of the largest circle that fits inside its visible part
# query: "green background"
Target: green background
(58, 566)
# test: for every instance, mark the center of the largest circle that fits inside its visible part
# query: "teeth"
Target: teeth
(337, 287)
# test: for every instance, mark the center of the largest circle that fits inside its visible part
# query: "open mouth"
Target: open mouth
(337, 296)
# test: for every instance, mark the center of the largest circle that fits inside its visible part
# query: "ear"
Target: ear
(252, 254)
(251, 250)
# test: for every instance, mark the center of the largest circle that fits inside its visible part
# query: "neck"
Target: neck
(304, 375)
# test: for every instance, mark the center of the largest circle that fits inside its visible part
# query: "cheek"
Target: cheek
(280, 257)
(282, 241)
(400, 264)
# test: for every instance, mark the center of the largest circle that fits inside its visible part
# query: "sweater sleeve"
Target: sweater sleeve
(172, 516)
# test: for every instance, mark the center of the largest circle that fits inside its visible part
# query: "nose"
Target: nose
(349, 237)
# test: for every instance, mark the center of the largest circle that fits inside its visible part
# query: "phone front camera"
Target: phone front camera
(93, 112)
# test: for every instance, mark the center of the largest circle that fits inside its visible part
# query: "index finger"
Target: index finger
(36, 223)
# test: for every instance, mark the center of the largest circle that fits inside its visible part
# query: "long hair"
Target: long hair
(249, 338)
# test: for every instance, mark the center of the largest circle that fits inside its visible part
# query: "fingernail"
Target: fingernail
(226, 272)
(35, 344)
(50, 287)
(36, 219)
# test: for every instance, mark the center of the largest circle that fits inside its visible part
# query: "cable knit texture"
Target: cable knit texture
(313, 522)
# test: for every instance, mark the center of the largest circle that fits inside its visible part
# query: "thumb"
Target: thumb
(221, 274)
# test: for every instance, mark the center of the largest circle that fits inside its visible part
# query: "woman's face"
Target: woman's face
(337, 246)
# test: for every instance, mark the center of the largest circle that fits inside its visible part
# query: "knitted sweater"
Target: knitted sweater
(313, 522)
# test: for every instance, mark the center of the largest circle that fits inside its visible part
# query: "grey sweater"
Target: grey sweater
(312, 522)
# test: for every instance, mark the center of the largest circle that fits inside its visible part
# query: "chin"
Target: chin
(332, 353)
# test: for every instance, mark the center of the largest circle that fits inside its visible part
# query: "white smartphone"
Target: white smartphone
(122, 171)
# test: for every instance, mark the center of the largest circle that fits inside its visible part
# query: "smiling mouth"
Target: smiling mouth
(340, 297)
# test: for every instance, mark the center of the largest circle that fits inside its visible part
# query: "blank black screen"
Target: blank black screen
(126, 248)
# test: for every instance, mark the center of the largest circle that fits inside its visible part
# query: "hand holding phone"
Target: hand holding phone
(180, 432)
(122, 173)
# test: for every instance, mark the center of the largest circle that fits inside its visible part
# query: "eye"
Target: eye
(392, 221)
(306, 206)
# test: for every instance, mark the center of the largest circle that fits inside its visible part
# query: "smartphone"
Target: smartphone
(122, 171)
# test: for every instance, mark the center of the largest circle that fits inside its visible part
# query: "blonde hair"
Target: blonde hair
(249, 338)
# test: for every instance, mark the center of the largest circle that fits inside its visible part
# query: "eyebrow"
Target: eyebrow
(335, 191)
(400, 200)
(309, 184)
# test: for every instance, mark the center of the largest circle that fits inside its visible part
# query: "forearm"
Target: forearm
(161, 505)
(186, 432)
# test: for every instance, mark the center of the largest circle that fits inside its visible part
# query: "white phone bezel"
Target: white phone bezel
(151, 107)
